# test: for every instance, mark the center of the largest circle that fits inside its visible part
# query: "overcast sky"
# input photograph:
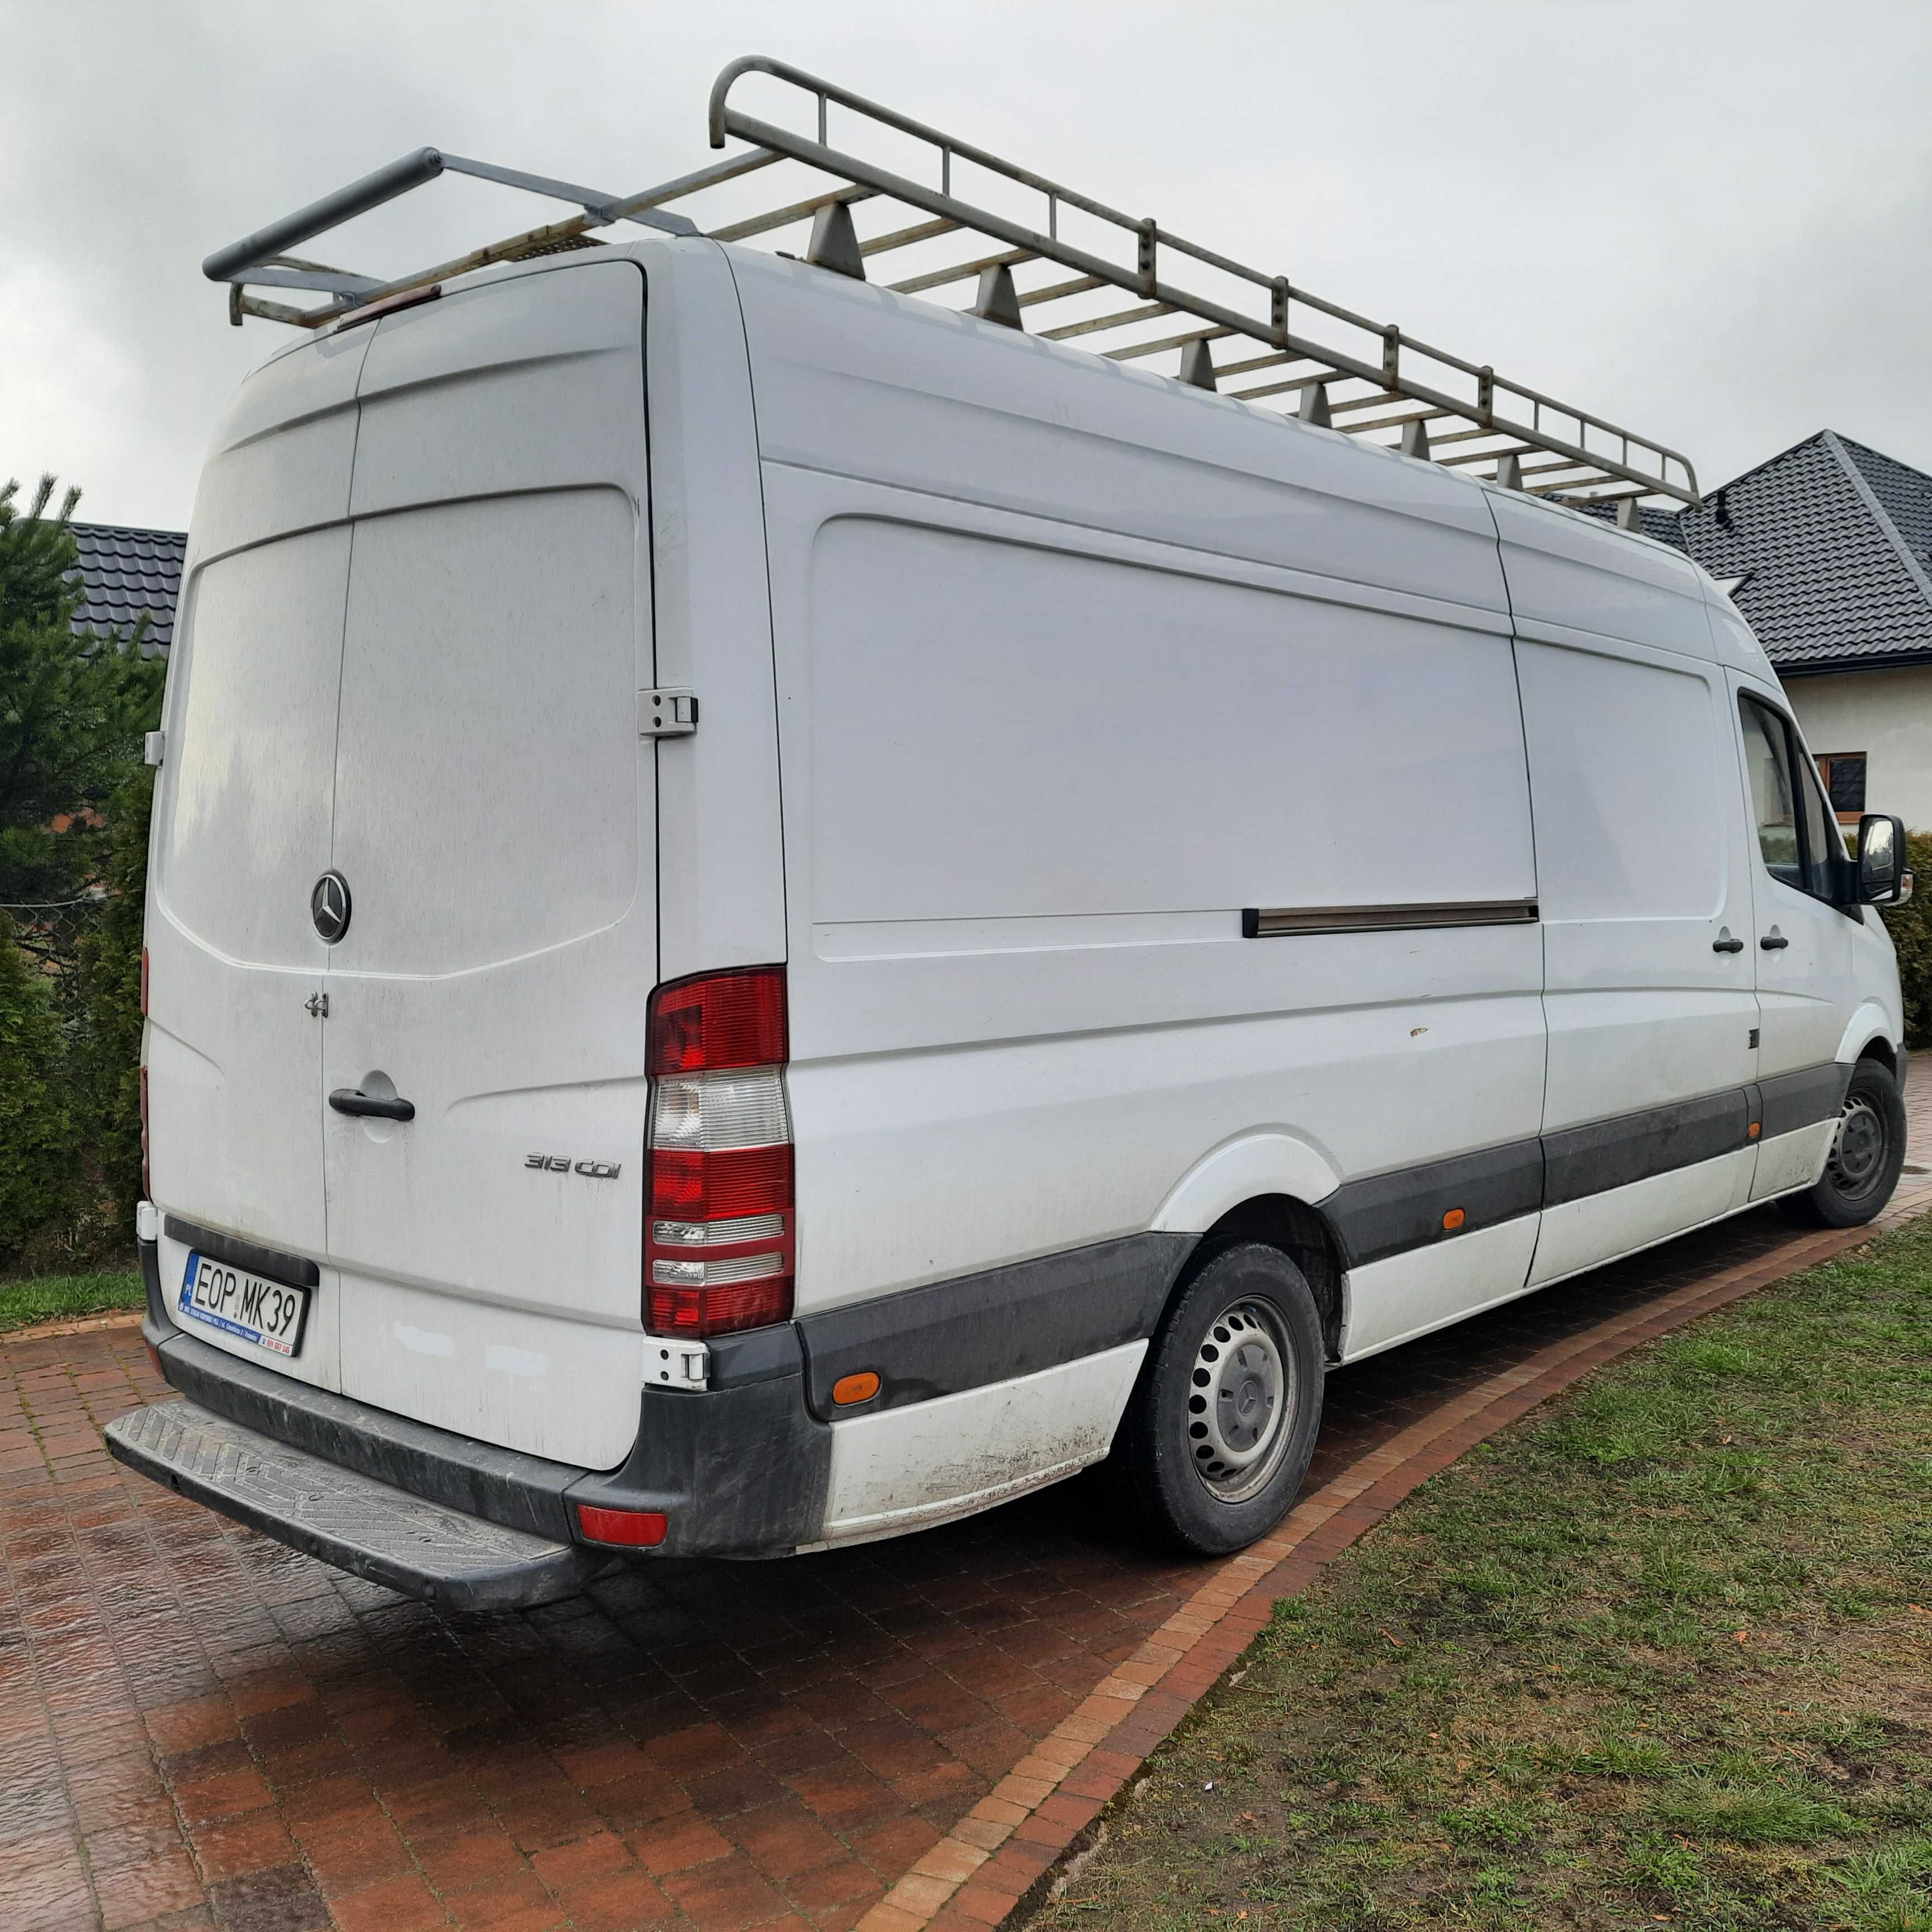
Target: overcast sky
(1707, 219)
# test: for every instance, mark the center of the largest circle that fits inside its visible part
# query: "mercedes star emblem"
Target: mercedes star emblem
(328, 906)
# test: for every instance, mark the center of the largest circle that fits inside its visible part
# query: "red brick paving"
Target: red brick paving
(199, 1728)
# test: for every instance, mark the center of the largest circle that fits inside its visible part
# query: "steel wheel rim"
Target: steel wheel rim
(1859, 1148)
(1241, 1392)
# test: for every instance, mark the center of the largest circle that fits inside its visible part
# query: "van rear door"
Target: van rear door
(493, 821)
(234, 1048)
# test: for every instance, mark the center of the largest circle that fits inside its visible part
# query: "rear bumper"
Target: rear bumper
(370, 1529)
(740, 1469)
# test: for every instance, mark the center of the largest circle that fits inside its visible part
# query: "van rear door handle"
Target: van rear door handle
(1724, 942)
(353, 1100)
(1774, 941)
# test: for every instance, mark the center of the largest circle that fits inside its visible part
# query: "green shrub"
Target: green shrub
(37, 1184)
(1911, 926)
(107, 1054)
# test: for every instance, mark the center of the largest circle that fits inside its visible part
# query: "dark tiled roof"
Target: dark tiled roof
(1834, 543)
(123, 572)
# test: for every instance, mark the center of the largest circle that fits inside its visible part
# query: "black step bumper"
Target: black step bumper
(740, 1470)
(371, 1529)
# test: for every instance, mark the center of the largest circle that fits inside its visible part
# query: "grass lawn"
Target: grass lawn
(1660, 1654)
(66, 1297)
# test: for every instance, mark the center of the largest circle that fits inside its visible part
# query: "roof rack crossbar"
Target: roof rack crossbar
(1125, 253)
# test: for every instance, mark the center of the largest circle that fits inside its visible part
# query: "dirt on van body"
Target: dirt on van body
(1661, 1655)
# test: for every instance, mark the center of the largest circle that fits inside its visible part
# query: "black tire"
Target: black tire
(1867, 1153)
(1243, 1328)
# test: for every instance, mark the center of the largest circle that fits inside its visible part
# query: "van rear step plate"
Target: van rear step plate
(441, 1556)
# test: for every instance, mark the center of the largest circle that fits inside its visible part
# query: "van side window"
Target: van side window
(1795, 831)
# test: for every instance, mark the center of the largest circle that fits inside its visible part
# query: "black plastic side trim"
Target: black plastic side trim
(1803, 1099)
(739, 1472)
(1592, 1159)
(1387, 1213)
(757, 1355)
(990, 1327)
(249, 1254)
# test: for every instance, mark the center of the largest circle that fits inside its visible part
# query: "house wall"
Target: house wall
(1887, 715)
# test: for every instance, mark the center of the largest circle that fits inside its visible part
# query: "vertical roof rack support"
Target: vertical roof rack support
(834, 242)
(1071, 257)
(1197, 364)
(997, 300)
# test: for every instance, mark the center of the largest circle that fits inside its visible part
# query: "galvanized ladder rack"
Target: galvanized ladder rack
(1366, 378)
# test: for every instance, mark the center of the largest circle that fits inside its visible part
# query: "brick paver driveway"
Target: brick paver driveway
(200, 1729)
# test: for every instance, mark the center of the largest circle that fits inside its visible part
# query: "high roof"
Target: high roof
(124, 572)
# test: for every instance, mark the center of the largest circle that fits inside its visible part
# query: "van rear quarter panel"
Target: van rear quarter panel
(1073, 666)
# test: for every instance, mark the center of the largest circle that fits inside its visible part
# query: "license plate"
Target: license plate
(268, 1315)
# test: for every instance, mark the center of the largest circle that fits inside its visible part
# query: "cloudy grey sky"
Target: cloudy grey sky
(1708, 219)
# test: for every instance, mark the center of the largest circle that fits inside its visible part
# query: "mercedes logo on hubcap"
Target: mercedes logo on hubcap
(328, 906)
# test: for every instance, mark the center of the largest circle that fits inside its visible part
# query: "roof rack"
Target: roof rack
(1275, 341)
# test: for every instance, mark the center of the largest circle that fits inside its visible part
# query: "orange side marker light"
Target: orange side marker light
(1752, 1132)
(1453, 1220)
(861, 1388)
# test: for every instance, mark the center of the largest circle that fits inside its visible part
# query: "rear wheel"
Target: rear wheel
(1223, 1419)
(1868, 1151)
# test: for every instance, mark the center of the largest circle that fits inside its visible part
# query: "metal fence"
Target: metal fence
(50, 933)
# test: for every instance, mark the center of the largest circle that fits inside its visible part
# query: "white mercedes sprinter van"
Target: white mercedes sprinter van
(777, 913)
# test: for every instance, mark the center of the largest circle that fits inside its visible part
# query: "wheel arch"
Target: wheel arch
(1869, 1036)
(1265, 1186)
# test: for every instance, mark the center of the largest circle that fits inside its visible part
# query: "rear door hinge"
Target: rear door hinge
(667, 712)
(154, 747)
(675, 1364)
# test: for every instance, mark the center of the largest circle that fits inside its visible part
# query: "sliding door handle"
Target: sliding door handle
(353, 1100)
(1724, 942)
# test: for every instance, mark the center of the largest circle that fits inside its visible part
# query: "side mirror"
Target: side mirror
(1882, 880)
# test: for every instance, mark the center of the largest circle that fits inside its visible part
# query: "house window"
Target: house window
(1844, 775)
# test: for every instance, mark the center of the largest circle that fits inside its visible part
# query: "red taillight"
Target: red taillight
(718, 1021)
(689, 1184)
(144, 982)
(719, 1231)
(147, 1185)
(636, 1529)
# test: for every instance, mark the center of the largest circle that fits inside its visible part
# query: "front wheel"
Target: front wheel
(1868, 1151)
(1223, 1418)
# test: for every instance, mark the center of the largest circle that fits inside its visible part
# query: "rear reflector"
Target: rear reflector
(635, 1529)
(719, 1238)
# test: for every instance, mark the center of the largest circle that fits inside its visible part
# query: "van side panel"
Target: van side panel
(1641, 868)
(1036, 767)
